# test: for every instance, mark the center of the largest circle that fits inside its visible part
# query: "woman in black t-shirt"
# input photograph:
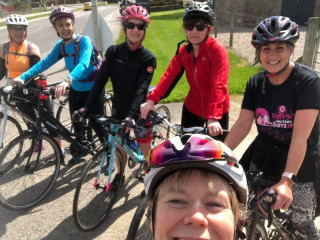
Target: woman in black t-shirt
(284, 101)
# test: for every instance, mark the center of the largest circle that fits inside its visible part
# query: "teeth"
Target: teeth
(273, 62)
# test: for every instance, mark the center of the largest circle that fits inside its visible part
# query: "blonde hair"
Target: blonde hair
(177, 180)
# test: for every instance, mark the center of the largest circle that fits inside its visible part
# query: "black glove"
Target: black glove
(130, 123)
(79, 114)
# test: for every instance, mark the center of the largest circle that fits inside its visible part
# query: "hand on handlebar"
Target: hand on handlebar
(17, 80)
(284, 191)
(130, 123)
(146, 107)
(214, 128)
(79, 114)
(61, 89)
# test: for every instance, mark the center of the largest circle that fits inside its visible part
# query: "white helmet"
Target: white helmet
(15, 19)
(195, 151)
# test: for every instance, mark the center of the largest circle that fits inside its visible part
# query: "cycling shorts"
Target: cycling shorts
(143, 131)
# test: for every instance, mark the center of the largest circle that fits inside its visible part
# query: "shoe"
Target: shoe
(74, 161)
(118, 180)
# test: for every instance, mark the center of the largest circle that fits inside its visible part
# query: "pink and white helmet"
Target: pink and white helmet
(60, 12)
(137, 12)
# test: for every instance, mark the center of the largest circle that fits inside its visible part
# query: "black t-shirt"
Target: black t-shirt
(130, 73)
(274, 107)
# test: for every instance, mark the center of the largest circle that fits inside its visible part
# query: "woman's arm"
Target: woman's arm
(144, 80)
(304, 121)
(240, 129)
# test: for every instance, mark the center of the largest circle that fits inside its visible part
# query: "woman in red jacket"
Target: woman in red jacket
(205, 61)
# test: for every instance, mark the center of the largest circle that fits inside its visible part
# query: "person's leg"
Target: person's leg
(188, 119)
(304, 205)
(143, 133)
(76, 101)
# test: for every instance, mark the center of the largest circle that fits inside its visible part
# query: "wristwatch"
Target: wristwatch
(291, 176)
(68, 79)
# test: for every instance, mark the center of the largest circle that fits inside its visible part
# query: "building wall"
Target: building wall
(251, 11)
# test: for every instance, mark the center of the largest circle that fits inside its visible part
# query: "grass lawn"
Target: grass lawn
(163, 35)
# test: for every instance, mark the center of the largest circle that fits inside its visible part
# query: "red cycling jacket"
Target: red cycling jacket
(207, 76)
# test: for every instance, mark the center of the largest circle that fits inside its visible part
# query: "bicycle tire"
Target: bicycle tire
(24, 181)
(92, 204)
(260, 232)
(139, 228)
(12, 130)
(108, 104)
(63, 114)
(161, 131)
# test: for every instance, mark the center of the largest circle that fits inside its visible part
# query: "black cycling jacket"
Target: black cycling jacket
(130, 73)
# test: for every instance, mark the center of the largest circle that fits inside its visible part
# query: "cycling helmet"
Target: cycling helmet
(15, 19)
(275, 29)
(60, 12)
(199, 9)
(194, 151)
(135, 11)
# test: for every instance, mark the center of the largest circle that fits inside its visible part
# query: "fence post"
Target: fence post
(231, 28)
(310, 42)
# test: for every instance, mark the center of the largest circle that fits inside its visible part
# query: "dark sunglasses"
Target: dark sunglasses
(18, 29)
(131, 25)
(199, 27)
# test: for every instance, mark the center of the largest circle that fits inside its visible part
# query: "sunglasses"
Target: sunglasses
(131, 25)
(196, 150)
(199, 27)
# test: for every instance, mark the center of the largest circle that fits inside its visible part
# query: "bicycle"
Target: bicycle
(95, 195)
(260, 202)
(63, 113)
(10, 127)
(139, 227)
(30, 164)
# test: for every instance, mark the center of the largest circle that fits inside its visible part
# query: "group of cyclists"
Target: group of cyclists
(284, 101)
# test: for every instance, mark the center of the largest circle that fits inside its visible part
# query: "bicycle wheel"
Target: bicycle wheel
(139, 227)
(260, 233)
(28, 173)
(161, 131)
(12, 130)
(92, 203)
(63, 114)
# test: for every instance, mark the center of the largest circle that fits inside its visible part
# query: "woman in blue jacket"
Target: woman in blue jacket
(80, 59)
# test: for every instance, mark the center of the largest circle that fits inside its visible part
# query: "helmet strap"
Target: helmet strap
(280, 72)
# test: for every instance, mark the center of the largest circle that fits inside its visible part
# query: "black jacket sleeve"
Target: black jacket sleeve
(3, 69)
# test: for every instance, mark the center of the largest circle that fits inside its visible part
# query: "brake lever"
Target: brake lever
(270, 199)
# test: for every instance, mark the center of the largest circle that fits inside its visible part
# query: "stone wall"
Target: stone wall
(247, 12)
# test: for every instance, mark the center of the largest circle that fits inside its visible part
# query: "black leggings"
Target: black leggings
(189, 119)
(77, 100)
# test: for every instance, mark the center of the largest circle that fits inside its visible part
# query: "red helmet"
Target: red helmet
(60, 12)
(137, 12)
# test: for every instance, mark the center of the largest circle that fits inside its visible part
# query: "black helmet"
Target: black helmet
(201, 9)
(275, 29)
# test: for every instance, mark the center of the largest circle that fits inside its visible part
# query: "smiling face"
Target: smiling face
(134, 35)
(274, 57)
(64, 27)
(198, 209)
(17, 33)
